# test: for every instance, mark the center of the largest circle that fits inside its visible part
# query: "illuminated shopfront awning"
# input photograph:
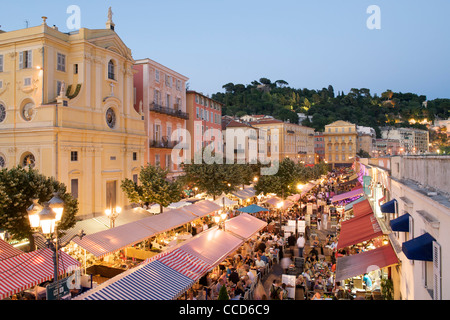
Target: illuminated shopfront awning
(350, 205)
(347, 195)
(420, 248)
(358, 264)
(389, 207)
(358, 230)
(401, 224)
(362, 208)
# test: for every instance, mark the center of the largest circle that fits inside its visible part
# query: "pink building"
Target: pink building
(160, 97)
(205, 118)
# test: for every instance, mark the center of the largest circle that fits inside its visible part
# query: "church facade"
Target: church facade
(66, 108)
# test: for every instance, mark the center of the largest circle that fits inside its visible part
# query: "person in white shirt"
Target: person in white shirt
(300, 245)
(250, 274)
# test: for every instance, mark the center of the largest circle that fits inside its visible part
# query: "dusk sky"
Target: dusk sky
(309, 44)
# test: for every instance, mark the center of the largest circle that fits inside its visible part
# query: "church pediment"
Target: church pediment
(114, 43)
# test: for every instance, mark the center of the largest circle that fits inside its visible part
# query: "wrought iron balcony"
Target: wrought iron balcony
(163, 143)
(169, 111)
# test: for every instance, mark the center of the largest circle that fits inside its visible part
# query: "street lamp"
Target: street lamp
(220, 218)
(112, 214)
(43, 221)
(279, 206)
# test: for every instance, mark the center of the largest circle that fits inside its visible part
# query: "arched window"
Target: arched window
(111, 70)
(28, 160)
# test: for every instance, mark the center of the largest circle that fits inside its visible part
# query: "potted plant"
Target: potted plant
(387, 289)
(223, 294)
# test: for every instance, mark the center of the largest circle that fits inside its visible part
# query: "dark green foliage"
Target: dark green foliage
(358, 106)
(153, 187)
(17, 187)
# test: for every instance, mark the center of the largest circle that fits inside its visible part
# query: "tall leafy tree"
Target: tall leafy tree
(18, 186)
(215, 179)
(153, 187)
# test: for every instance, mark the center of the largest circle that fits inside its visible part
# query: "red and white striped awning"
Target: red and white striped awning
(168, 220)
(202, 208)
(29, 269)
(185, 263)
(7, 250)
(108, 241)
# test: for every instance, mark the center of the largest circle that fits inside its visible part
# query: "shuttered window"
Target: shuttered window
(61, 62)
(25, 59)
(437, 275)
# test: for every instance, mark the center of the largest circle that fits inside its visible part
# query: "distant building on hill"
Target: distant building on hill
(413, 141)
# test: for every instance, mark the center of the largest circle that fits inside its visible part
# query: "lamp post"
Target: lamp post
(43, 221)
(279, 206)
(220, 219)
(112, 214)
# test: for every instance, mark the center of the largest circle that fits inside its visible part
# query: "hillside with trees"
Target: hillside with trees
(357, 106)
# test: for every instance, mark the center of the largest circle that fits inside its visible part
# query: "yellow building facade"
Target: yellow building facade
(340, 143)
(66, 108)
(289, 140)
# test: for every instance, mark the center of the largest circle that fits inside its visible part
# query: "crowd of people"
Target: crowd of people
(244, 274)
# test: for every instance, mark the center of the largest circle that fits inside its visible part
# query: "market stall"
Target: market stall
(24, 271)
(7, 250)
(169, 274)
(347, 195)
(253, 208)
(244, 226)
(358, 264)
(357, 230)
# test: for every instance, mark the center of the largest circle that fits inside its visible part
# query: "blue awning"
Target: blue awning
(420, 248)
(253, 208)
(401, 223)
(389, 207)
(154, 281)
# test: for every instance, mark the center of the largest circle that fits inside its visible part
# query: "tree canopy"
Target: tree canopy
(18, 186)
(358, 106)
(284, 182)
(153, 187)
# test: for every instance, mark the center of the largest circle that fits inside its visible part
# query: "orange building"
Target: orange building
(160, 97)
(205, 118)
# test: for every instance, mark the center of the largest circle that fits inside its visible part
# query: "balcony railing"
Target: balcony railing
(169, 111)
(162, 143)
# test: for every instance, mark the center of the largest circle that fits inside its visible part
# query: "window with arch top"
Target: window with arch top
(111, 70)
